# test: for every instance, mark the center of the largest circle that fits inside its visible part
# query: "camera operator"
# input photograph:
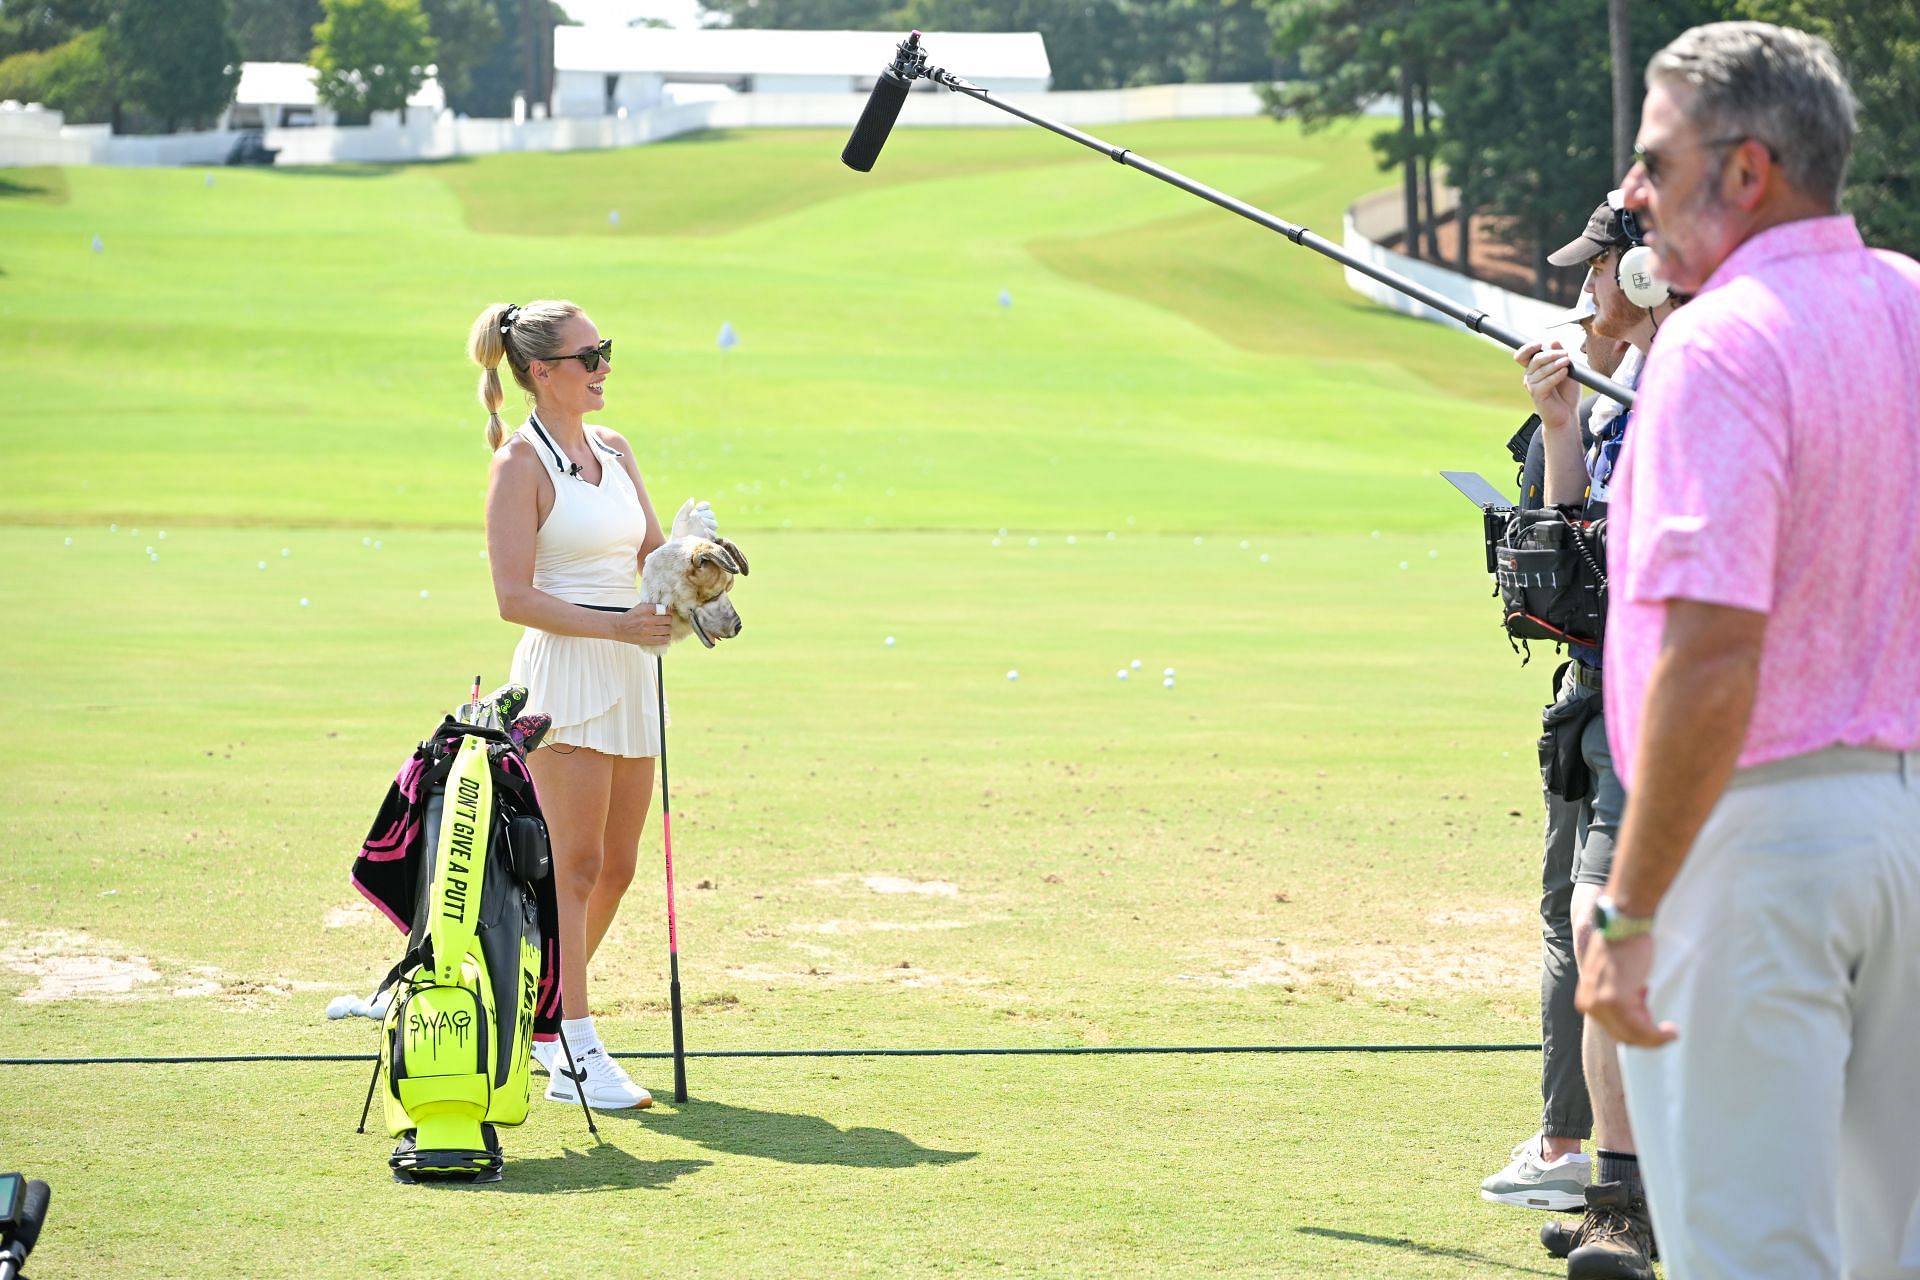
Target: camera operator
(1615, 1238)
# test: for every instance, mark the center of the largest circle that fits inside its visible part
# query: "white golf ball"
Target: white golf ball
(1198, 540)
(376, 544)
(303, 602)
(1264, 557)
(889, 642)
(136, 533)
(285, 552)
(1033, 542)
(341, 1006)
(1167, 683)
(1109, 535)
(1168, 673)
(1071, 539)
(163, 535)
(69, 541)
(1403, 564)
(1244, 544)
(1433, 553)
(1121, 673)
(1013, 675)
(1135, 664)
(263, 564)
(424, 593)
(1376, 533)
(149, 550)
(113, 528)
(366, 542)
(996, 542)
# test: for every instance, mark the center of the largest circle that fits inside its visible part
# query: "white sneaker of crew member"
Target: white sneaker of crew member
(607, 1085)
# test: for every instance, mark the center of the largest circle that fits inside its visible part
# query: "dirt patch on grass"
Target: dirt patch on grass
(886, 926)
(66, 964)
(71, 964)
(901, 884)
(351, 916)
(1415, 968)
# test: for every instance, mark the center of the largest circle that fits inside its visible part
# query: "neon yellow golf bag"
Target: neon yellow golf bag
(458, 1034)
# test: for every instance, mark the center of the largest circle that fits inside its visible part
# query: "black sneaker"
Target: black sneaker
(1615, 1240)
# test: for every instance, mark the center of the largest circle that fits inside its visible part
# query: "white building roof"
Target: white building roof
(998, 55)
(293, 84)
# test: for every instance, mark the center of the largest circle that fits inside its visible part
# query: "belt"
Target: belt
(1826, 763)
(1584, 676)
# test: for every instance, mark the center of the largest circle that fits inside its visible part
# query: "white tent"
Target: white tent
(600, 70)
(278, 95)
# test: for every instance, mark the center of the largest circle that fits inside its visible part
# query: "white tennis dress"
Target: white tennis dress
(600, 693)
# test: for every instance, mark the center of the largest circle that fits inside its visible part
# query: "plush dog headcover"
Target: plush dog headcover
(691, 575)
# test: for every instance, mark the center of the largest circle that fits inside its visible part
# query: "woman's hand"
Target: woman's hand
(1556, 396)
(644, 624)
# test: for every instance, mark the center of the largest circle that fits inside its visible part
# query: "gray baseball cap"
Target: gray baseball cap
(1603, 232)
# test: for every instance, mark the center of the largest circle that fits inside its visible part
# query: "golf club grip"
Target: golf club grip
(679, 1038)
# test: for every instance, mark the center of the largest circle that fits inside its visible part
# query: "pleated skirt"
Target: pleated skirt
(600, 693)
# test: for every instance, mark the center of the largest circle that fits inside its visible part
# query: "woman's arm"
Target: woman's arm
(513, 524)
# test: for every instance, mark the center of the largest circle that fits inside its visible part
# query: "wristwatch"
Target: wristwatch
(1612, 925)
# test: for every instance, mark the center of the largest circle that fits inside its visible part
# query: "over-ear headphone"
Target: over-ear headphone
(1633, 268)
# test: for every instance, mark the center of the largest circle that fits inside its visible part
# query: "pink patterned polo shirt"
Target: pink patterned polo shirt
(1774, 465)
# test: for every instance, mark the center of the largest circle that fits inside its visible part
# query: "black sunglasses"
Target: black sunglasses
(1650, 160)
(590, 360)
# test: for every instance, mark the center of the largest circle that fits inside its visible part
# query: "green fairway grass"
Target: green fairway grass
(245, 575)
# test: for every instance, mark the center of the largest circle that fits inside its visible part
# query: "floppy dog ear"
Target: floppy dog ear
(726, 555)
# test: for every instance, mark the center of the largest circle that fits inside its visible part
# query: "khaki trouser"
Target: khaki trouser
(1780, 1135)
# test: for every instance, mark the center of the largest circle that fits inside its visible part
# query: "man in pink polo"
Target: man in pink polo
(1760, 939)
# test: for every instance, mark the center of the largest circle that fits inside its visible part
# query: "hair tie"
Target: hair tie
(506, 321)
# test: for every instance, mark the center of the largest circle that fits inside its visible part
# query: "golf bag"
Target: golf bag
(458, 858)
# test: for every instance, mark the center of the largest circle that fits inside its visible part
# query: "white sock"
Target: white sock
(580, 1034)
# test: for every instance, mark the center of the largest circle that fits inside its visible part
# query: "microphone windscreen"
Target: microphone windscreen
(33, 1212)
(876, 122)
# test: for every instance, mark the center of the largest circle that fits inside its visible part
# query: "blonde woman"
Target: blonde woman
(568, 525)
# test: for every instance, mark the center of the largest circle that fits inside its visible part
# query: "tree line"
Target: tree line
(1524, 108)
(163, 65)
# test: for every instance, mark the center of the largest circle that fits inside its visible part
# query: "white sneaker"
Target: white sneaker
(544, 1052)
(607, 1086)
(1533, 1182)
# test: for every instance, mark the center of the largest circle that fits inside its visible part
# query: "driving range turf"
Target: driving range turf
(245, 574)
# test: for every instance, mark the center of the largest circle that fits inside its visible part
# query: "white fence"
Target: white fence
(1378, 217)
(32, 137)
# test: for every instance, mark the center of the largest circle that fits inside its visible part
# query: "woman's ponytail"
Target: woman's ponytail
(487, 344)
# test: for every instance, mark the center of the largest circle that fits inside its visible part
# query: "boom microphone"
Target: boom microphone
(883, 108)
(33, 1212)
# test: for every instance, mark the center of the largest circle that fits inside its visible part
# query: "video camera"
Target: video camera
(1548, 566)
(23, 1208)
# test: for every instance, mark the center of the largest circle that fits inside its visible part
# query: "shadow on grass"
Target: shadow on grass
(795, 1139)
(40, 182)
(1417, 1249)
(600, 1167)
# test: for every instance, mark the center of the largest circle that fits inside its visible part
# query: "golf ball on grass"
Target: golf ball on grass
(1013, 675)
(1121, 673)
(342, 1007)
(1167, 683)
(889, 642)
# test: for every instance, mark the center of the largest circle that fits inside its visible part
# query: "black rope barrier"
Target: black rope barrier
(961, 1052)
